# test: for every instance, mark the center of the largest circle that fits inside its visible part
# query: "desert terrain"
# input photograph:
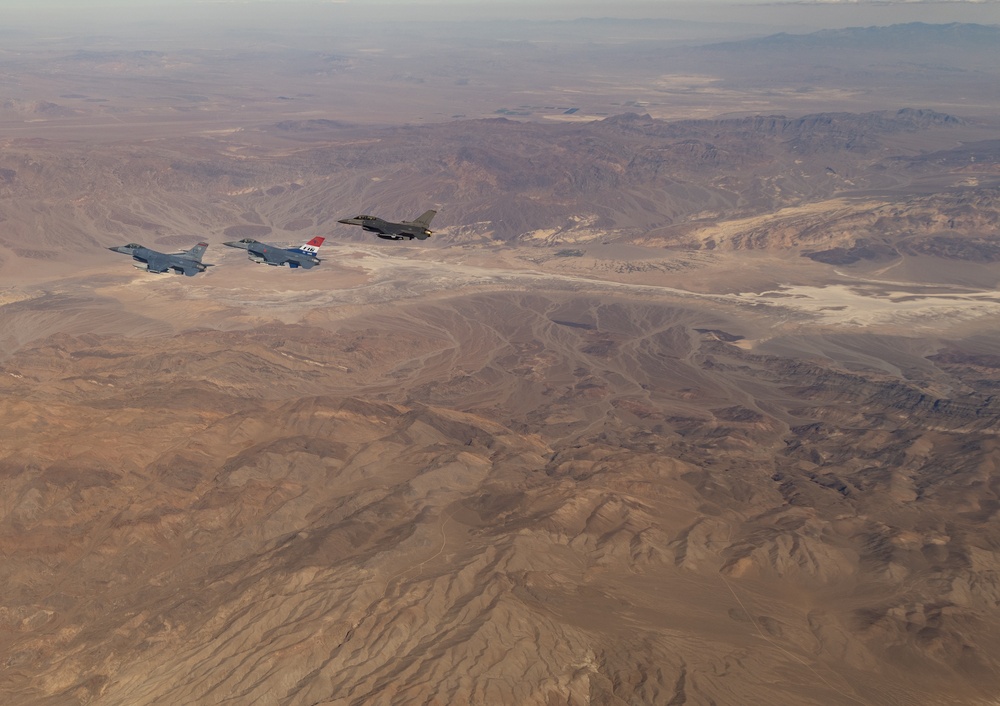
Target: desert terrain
(691, 398)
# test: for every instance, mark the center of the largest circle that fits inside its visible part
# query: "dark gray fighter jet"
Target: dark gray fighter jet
(419, 229)
(183, 263)
(263, 253)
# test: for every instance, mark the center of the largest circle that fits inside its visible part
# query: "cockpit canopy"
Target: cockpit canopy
(366, 218)
(133, 245)
(248, 241)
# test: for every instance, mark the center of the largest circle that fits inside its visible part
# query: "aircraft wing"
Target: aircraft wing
(158, 263)
(189, 269)
(291, 258)
(180, 265)
(275, 256)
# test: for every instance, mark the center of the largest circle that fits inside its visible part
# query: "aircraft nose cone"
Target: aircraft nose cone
(346, 221)
(116, 248)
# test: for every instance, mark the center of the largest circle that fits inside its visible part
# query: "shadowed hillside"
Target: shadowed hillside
(290, 514)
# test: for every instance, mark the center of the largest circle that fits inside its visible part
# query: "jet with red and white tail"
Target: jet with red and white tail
(304, 256)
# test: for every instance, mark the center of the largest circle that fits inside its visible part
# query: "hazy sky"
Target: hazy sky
(104, 15)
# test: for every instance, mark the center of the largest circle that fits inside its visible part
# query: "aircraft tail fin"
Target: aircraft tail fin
(196, 252)
(425, 218)
(312, 247)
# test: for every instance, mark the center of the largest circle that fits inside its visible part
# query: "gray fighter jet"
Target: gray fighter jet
(183, 263)
(263, 253)
(419, 229)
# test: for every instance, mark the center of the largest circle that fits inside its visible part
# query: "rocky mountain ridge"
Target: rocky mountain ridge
(624, 178)
(298, 514)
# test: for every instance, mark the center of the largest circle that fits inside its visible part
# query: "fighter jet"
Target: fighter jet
(183, 263)
(418, 229)
(266, 254)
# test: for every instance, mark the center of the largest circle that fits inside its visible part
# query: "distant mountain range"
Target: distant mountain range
(912, 35)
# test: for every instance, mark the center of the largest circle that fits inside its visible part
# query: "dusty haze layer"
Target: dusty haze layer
(691, 397)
